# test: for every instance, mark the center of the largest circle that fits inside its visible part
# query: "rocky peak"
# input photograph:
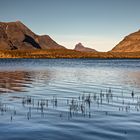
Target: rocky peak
(80, 47)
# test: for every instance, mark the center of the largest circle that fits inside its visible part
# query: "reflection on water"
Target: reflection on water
(19, 81)
(14, 81)
(69, 99)
(134, 77)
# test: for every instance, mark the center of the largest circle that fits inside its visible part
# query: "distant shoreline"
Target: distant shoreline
(63, 53)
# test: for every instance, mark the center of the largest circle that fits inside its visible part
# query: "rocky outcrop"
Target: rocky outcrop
(81, 48)
(130, 43)
(15, 35)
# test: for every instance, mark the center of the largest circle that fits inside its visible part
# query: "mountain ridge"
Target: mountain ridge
(130, 43)
(15, 35)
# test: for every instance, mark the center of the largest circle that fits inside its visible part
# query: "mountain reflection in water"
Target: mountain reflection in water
(19, 81)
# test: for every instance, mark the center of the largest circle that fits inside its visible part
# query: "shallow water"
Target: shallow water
(68, 99)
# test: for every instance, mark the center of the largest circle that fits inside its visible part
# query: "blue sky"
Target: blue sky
(99, 24)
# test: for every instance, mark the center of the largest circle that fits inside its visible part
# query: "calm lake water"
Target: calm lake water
(64, 99)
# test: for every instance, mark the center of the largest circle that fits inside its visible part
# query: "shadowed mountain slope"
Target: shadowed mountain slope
(15, 35)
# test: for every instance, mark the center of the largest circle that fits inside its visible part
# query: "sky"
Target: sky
(98, 24)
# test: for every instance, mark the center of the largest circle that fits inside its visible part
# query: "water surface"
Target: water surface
(68, 99)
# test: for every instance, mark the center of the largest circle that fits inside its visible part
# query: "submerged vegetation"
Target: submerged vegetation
(64, 53)
(84, 105)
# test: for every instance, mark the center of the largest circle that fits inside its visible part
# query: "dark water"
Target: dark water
(64, 99)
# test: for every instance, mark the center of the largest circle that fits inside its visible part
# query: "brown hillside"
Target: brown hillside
(130, 43)
(16, 36)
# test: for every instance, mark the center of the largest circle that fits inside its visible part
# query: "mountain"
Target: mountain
(130, 43)
(81, 48)
(15, 35)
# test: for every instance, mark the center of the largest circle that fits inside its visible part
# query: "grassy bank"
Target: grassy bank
(64, 54)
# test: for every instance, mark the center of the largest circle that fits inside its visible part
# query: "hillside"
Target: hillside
(130, 43)
(16, 36)
(18, 41)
